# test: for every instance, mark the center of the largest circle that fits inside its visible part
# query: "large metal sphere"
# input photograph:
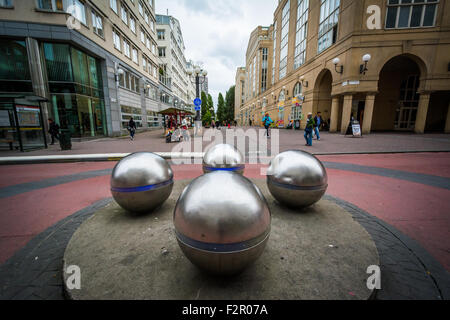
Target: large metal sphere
(141, 182)
(297, 178)
(223, 157)
(222, 222)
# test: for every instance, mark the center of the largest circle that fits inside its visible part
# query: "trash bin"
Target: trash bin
(65, 139)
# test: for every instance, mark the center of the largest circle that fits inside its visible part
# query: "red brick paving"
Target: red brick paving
(420, 211)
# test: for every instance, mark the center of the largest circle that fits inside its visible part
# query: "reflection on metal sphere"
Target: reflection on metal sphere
(223, 157)
(141, 182)
(222, 222)
(297, 178)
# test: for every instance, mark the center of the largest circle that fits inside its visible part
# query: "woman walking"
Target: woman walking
(310, 124)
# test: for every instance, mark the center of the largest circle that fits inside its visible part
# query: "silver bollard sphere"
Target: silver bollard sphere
(297, 178)
(222, 222)
(223, 157)
(141, 182)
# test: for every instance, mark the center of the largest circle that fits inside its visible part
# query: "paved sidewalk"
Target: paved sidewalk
(288, 139)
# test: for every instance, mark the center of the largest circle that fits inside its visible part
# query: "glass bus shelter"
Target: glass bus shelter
(21, 123)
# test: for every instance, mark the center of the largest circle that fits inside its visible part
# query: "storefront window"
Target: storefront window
(14, 69)
(76, 89)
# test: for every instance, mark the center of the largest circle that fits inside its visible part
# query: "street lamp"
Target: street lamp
(363, 67)
(197, 75)
(339, 69)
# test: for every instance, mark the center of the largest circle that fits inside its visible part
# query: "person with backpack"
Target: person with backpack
(267, 122)
(53, 130)
(132, 128)
(310, 125)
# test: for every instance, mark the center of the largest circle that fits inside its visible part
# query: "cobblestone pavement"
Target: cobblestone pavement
(401, 200)
(288, 139)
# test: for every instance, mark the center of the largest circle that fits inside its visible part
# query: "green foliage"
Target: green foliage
(206, 118)
(204, 104)
(229, 105)
(220, 108)
(211, 105)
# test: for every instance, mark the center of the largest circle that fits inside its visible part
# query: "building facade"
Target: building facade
(239, 93)
(94, 61)
(173, 63)
(383, 62)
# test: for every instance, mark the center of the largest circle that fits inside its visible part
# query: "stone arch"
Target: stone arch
(323, 86)
(400, 79)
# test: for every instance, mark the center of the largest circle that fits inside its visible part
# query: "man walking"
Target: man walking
(53, 129)
(266, 122)
(132, 128)
(318, 122)
(310, 124)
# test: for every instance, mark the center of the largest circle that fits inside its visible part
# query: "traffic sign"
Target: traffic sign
(197, 102)
(197, 108)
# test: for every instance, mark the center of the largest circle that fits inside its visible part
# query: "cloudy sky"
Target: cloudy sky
(216, 32)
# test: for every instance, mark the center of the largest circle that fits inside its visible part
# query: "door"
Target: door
(406, 112)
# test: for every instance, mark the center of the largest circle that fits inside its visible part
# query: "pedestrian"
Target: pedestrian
(318, 121)
(53, 130)
(250, 122)
(229, 125)
(267, 122)
(310, 124)
(132, 128)
(213, 124)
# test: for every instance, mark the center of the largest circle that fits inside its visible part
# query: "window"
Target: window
(297, 89)
(302, 29)
(113, 5)
(144, 63)
(116, 39)
(152, 25)
(124, 14)
(161, 34)
(154, 49)
(135, 56)
(133, 24)
(146, 16)
(274, 50)
(141, 9)
(79, 12)
(126, 47)
(154, 71)
(284, 40)
(6, 4)
(404, 14)
(142, 37)
(147, 43)
(265, 55)
(129, 81)
(97, 23)
(329, 16)
(162, 52)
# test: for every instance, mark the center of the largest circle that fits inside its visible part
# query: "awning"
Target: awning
(175, 111)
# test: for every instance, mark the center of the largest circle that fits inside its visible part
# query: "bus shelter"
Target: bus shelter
(21, 123)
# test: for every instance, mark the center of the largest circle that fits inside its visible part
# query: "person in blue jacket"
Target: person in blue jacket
(310, 124)
(266, 122)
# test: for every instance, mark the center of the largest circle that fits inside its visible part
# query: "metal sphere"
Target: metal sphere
(222, 222)
(141, 182)
(297, 178)
(223, 157)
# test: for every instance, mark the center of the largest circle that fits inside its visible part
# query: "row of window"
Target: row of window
(128, 18)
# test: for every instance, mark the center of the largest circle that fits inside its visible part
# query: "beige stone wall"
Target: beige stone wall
(427, 47)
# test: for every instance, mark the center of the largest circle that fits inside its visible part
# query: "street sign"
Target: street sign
(197, 102)
(197, 108)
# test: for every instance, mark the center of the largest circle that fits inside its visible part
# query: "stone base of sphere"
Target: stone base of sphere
(296, 198)
(143, 201)
(224, 264)
(319, 252)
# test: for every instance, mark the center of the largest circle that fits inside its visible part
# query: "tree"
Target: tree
(206, 118)
(220, 108)
(211, 105)
(204, 104)
(229, 105)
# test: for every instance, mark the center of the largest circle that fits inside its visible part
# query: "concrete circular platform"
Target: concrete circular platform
(318, 253)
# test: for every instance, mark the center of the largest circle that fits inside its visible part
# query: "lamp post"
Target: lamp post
(197, 75)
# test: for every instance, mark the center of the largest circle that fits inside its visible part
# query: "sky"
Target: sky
(216, 33)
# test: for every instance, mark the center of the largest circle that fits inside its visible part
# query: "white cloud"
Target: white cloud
(216, 32)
